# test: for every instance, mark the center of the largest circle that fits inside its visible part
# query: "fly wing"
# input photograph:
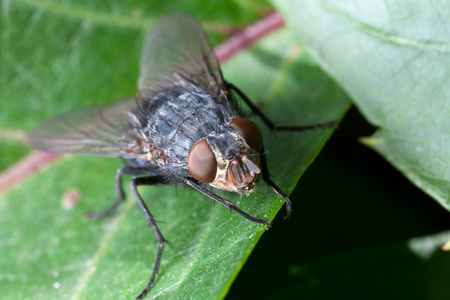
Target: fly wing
(176, 52)
(101, 131)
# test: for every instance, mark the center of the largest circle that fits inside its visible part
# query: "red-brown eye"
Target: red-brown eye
(249, 131)
(202, 162)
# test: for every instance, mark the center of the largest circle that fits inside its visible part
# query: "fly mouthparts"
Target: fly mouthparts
(254, 169)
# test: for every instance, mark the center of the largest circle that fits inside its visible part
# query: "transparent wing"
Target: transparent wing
(176, 52)
(100, 131)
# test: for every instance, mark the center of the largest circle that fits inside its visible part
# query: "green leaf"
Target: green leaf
(11, 152)
(392, 57)
(60, 57)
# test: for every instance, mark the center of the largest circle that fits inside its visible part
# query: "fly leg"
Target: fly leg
(119, 190)
(230, 205)
(266, 178)
(153, 180)
(269, 123)
(272, 126)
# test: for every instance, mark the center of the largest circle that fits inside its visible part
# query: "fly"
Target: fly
(183, 128)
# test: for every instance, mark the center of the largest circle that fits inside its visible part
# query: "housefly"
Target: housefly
(183, 128)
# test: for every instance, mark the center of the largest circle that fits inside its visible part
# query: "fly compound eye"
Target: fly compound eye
(202, 162)
(249, 132)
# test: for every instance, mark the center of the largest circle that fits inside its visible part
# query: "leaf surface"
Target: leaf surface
(63, 63)
(392, 57)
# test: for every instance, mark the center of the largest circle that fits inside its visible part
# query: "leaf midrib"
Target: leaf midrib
(102, 250)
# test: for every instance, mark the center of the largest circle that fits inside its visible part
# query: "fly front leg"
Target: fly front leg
(269, 123)
(154, 180)
(228, 204)
(119, 190)
(266, 177)
(272, 126)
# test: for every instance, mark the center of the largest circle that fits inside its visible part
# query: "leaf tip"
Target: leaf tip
(370, 142)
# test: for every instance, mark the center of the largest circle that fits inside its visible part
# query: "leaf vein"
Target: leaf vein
(91, 16)
(102, 250)
(384, 36)
(188, 269)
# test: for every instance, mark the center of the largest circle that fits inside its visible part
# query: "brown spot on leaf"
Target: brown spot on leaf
(70, 198)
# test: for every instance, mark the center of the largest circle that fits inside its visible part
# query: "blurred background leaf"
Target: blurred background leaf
(392, 57)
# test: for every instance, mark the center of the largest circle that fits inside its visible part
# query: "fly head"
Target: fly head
(228, 159)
